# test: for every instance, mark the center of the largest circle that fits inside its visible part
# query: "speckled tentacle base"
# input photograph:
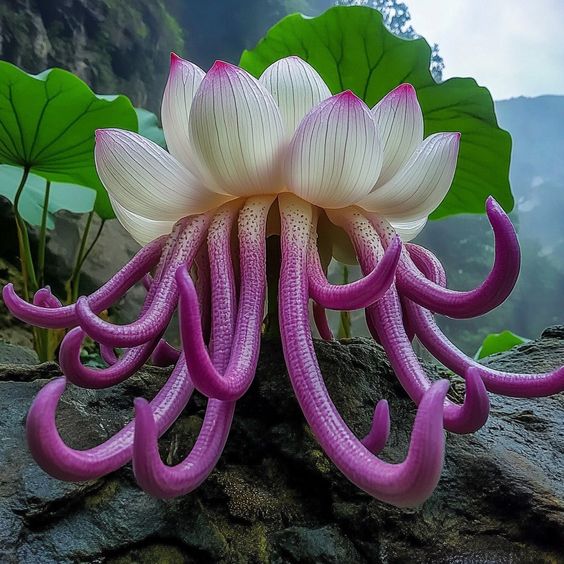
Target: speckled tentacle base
(405, 484)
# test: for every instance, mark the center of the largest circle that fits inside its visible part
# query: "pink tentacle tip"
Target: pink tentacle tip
(45, 298)
(40, 437)
(474, 412)
(145, 448)
(377, 437)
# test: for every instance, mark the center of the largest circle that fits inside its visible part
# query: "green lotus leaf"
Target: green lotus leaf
(62, 196)
(47, 124)
(149, 126)
(499, 342)
(352, 49)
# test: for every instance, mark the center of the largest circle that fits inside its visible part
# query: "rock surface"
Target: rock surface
(274, 497)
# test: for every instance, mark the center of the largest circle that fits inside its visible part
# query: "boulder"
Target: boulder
(274, 496)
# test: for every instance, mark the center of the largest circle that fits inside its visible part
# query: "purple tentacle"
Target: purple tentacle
(492, 292)
(65, 463)
(165, 354)
(61, 317)
(320, 318)
(405, 484)
(386, 318)
(496, 381)
(97, 378)
(356, 295)
(45, 298)
(241, 369)
(147, 281)
(187, 235)
(379, 432)
(152, 475)
(427, 263)
(108, 355)
(202, 285)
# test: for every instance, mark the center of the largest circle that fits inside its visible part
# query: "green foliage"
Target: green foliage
(352, 49)
(48, 123)
(70, 197)
(499, 342)
(149, 126)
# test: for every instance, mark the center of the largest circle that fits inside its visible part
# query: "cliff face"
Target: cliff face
(114, 45)
(123, 46)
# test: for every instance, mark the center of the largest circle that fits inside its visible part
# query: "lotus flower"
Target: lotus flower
(278, 155)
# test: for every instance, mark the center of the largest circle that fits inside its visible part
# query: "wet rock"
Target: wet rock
(274, 496)
(12, 354)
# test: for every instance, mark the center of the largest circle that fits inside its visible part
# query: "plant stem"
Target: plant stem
(28, 271)
(73, 282)
(43, 235)
(273, 262)
(91, 246)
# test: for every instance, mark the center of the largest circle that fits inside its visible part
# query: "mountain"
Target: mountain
(537, 168)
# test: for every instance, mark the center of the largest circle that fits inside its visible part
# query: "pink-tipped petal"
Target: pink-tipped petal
(400, 123)
(183, 80)
(146, 180)
(296, 87)
(236, 131)
(421, 184)
(335, 156)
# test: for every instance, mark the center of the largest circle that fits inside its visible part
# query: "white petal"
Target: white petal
(421, 185)
(400, 124)
(183, 81)
(335, 155)
(143, 230)
(236, 131)
(145, 179)
(297, 88)
(408, 230)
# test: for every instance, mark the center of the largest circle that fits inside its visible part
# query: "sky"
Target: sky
(513, 47)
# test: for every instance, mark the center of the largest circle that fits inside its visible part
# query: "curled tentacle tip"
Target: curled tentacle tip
(53, 388)
(69, 349)
(7, 289)
(475, 410)
(10, 296)
(493, 208)
(379, 433)
(140, 404)
(439, 388)
(44, 403)
(145, 427)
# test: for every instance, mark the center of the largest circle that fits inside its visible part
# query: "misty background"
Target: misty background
(124, 45)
